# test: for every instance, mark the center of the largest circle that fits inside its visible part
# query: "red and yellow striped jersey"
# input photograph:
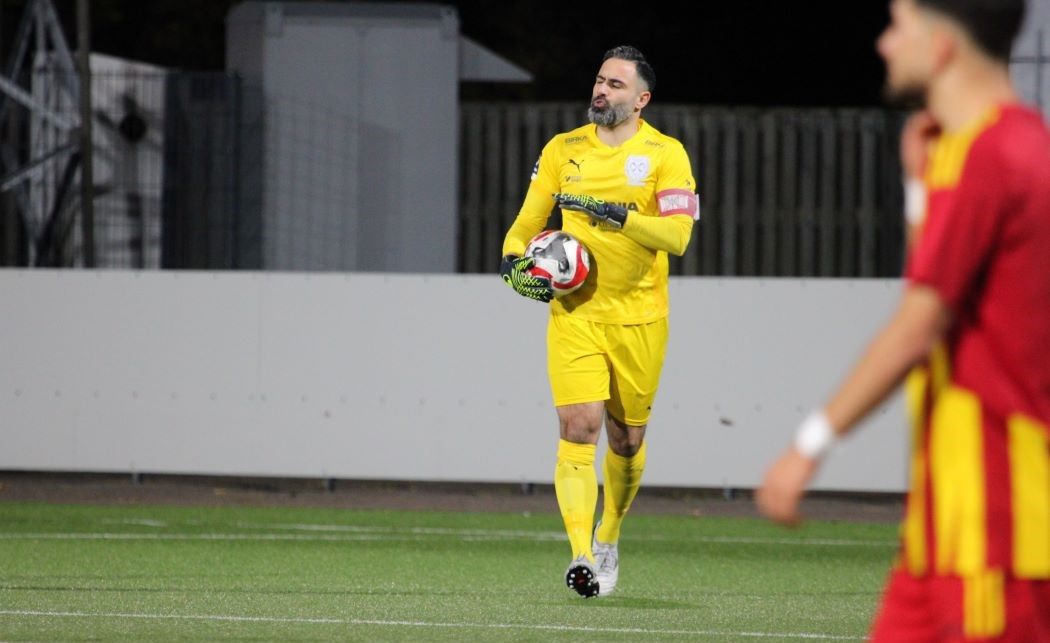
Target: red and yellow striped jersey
(979, 494)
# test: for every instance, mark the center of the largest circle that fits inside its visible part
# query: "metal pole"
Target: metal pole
(87, 175)
(7, 215)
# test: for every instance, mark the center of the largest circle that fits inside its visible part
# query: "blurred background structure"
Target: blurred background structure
(336, 129)
(336, 139)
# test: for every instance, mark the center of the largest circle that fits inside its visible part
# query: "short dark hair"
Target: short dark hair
(645, 70)
(993, 24)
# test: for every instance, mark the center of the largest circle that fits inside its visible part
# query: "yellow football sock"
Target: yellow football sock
(576, 485)
(623, 476)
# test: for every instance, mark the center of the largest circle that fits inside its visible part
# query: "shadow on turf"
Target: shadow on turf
(618, 602)
(621, 602)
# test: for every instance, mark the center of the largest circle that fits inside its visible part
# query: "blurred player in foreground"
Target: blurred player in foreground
(627, 193)
(973, 330)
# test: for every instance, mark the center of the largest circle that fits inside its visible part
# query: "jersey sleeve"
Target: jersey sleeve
(539, 201)
(677, 207)
(670, 234)
(676, 187)
(956, 241)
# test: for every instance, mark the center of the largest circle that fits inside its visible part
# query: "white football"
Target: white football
(560, 258)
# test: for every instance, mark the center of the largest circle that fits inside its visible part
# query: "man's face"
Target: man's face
(618, 93)
(907, 47)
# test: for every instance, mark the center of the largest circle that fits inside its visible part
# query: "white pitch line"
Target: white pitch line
(218, 537)
(433, 531)
(809, 542)
(422, 535)
(497, 626)
(143, 522)
(552, 535)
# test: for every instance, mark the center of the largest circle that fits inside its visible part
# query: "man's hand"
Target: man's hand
(919, 131)
(783, 487)
(515, 271)
(611, 213)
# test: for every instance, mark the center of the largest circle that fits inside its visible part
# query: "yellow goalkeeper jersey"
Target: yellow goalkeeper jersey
(650, 175)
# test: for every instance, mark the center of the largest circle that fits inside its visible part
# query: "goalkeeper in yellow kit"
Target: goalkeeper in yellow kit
(627, 193)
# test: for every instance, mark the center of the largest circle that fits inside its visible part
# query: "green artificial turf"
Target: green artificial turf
(148, 573)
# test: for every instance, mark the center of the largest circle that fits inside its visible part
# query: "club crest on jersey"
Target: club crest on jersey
(637, 169)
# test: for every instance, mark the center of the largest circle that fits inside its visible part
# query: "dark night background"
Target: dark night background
(754, 52)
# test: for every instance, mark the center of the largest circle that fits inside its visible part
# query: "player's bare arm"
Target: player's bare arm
(918, 324)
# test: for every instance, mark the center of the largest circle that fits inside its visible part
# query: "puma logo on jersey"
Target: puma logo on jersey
(574, 178)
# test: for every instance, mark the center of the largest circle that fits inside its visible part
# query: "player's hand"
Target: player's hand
(515, 271)
(599, 210)
(919, 131)
(782, 489)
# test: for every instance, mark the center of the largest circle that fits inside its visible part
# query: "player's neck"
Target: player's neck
(619, 134)
(964, 94)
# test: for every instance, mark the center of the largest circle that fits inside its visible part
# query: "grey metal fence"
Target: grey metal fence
(180, 180)
(783, 192)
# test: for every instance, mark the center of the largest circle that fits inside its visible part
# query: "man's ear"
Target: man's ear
(643, 100)
(944, 46)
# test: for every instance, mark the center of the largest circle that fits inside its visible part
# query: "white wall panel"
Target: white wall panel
(407, 377)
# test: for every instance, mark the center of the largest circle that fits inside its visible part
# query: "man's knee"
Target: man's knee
(624, 440)
(580, 423)
(627, 446)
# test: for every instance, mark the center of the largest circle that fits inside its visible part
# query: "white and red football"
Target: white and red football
(560, 258)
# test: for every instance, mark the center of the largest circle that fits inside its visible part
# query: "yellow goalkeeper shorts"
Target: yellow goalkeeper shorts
(591, 362)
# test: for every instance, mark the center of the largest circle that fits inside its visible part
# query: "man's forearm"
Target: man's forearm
(918, 324)
(670, 234)
(530, 221)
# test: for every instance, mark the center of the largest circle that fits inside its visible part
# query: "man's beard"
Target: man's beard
(908, 97)
(609, 116)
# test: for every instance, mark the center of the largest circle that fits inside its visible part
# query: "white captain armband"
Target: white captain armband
(814, 436)
(914, 201)
(678, 202)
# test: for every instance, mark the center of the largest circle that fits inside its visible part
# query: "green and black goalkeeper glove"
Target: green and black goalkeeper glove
(515, 271)
(599, 210)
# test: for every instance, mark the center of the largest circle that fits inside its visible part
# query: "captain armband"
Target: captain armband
(678, 201)
(914, 201)
(814, 436)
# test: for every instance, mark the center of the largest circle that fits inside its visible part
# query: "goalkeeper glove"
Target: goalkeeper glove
(515, 271)
(611, 213)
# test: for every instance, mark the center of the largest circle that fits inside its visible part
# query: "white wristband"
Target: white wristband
(814, 436)
(914, 200)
